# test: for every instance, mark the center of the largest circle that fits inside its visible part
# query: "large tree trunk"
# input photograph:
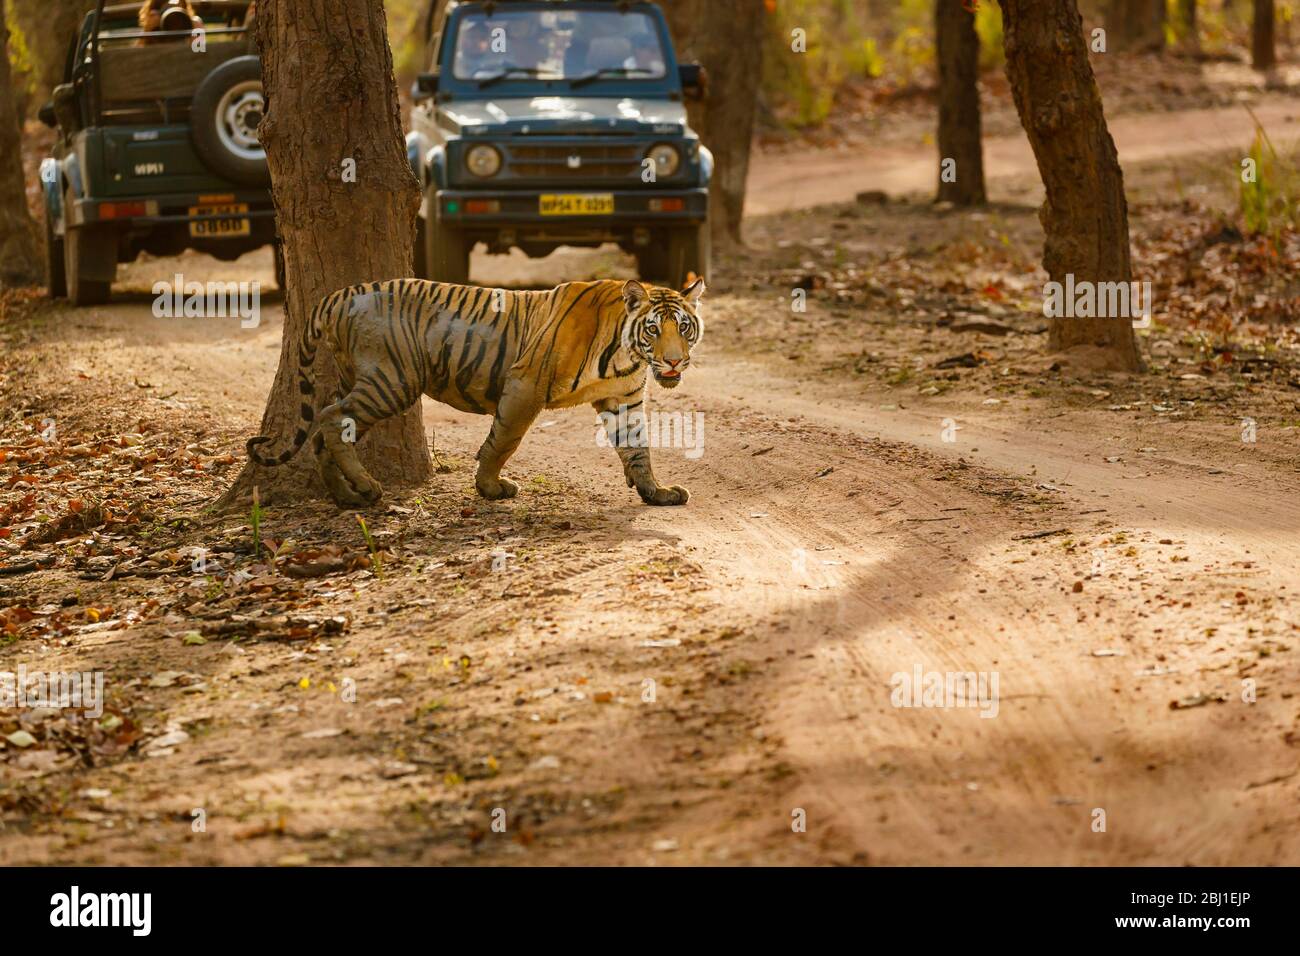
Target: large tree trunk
(1136, 26)
(20, 258)
(1263, 49)
(961, 152)
(328, 75)
(1085, 215)
(726, 36)
(48, 27)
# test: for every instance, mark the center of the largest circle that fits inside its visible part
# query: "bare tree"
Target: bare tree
(331, 111)
(1136, 25)
(961, 151)
(1263, 46)
(1085, 214)
(48, 26)
(1188, 28)
(726, 37)
(20, 259)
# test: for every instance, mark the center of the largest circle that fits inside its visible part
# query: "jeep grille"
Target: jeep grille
(542, 161)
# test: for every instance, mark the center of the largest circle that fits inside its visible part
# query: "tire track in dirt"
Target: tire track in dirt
(912, 785)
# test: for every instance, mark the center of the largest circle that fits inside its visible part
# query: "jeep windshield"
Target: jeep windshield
(579, 45)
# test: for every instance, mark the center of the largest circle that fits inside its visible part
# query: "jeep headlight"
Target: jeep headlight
(666, 158)
(483, 160)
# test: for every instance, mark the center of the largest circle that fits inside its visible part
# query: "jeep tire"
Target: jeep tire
(224, 116)
(446, 251)
(689, 250)
(652, 260)
(89, 259)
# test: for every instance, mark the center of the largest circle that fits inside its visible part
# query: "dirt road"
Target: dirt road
(716, 683)
(798, 181)
(829, 546)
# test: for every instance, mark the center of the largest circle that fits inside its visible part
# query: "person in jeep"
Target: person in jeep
(523, 40)
(474, 52)
(167, 16)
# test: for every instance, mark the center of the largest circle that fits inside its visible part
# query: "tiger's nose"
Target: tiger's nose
(672, 362)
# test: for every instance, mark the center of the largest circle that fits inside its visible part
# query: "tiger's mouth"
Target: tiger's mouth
(668, 379)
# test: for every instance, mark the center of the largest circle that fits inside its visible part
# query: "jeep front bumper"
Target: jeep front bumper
(629, 209)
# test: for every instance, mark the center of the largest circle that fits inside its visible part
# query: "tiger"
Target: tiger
(508, 354)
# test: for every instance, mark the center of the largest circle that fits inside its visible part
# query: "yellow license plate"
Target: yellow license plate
(219, 228)
(577, 204)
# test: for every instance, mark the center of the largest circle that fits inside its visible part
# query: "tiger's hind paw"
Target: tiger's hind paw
(676, 495)
(346, 494)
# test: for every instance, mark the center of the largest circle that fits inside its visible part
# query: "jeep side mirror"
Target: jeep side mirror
(46, 115)
(426, 85)
(694, 80)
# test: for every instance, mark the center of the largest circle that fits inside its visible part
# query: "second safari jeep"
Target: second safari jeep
(157, 146)
(558, 122)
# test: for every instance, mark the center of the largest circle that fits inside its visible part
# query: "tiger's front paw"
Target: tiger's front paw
(676, 495)
(496, 489)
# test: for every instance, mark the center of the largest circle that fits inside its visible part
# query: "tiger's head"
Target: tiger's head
(662, 327)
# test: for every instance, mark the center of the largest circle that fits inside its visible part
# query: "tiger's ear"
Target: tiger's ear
(634, 295)
(695, 291)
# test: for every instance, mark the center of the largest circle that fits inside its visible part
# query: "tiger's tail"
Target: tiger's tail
(306, 382)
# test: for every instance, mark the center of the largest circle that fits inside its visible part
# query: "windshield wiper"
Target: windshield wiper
(498, 77)
(608, 71)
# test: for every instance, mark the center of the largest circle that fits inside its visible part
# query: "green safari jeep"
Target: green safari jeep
(157, 146)
(544, 123)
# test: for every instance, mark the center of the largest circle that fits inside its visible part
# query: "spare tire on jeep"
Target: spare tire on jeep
(224, 115)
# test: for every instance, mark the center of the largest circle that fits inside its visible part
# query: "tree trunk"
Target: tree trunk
(48, 27)
(726, 37)
(961, 152)
(1263, 49)
(424, 25)
(331, 97)
(1085, 215)
(1136, 26)
(1188, 29)
(20, 256)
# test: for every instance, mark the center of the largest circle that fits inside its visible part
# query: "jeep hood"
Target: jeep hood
(559, 115)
